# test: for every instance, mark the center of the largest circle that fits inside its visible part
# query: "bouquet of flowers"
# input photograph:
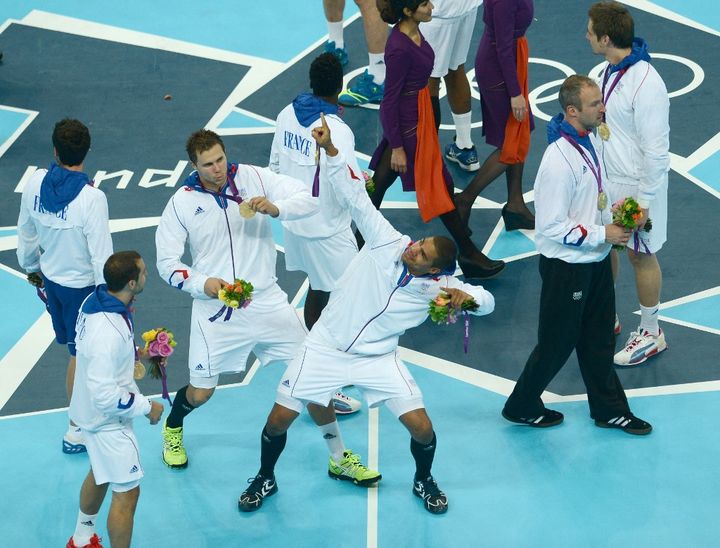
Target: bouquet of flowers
(159, 343)
(441, 312)
(369, 183)
(235, 295)
(627, 213)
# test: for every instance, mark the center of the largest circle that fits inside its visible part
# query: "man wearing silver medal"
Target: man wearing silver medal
(574, 234)
(635, 154)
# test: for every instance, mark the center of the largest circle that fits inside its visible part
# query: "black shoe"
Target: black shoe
(480, 269)
(514, 221)
(548, 418)
(627, 422)
(252, 497)
(436, 501)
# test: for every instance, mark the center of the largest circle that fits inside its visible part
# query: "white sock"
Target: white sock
(74, 432)
(376, 67)
(331, 435)
(462, 129)
(335, 34)
(84, 529)
(649, 319)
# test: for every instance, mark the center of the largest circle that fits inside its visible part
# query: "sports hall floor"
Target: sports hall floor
(231, 67)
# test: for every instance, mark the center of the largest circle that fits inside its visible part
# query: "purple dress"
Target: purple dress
(407, 67)
(496, 63)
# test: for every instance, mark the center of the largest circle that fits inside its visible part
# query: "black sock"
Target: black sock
(270, 449)
(423, 455)
(180, 409)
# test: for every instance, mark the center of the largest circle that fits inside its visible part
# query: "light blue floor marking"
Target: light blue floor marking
(510, 244)
(7, 233)
(702, 11)
(705, 312)
(708, 171)
(10, 121)
(262, 29)
(237, 120)
(573, 485)
(198, 506)
(19, 306)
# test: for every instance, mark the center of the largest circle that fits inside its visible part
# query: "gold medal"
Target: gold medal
(139, 372)
(246, 211)
(604, 131)
(602, 201)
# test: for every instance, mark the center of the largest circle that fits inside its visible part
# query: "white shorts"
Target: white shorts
(450, 40)
(324, 260)
(317, 372)
(653, 240)
(114, 457)
(268, 327)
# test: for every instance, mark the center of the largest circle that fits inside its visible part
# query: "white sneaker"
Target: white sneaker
(618, 327)
(639, 347)
(344, 404)
(74, 441)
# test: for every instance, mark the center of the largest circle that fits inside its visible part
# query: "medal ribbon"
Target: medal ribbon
(235, 197)
(606, 97)
(594, 167)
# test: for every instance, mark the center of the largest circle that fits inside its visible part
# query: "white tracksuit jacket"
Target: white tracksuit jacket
(369, 309)
(105, 396)
(75, 241)
(293, 154)
(222, 243)
(637, 112)
(568, 225)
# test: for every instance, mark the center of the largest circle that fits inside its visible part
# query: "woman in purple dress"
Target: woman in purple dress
(409, 61)
(499, 77)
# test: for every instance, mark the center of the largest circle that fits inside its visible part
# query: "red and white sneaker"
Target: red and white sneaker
(94, 543)
(639, 347)
(344, 404)
(618, 327)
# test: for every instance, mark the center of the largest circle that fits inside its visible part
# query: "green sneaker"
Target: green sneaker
(174, 454)
(351, 469)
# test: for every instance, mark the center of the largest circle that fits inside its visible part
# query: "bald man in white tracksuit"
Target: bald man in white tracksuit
(385, 290)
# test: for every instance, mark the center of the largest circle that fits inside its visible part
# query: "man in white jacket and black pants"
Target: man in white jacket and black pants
(106, 400)
(574, 234)
(384, 291)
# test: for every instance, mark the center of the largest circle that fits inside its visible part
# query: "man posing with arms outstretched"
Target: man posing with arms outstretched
(385, 290)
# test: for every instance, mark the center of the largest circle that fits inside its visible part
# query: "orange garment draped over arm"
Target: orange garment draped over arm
(432, 194)
(517, 134)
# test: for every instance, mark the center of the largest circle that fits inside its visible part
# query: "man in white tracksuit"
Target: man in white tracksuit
(385, 290)
(64, 241)
(228, 243)
(573, 234)
(635, 151)
(322, 245)
(106, 400)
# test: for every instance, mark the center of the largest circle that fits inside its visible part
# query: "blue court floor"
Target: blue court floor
(231, 67)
